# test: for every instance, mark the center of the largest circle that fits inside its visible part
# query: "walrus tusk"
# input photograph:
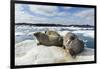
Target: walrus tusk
(68, 42)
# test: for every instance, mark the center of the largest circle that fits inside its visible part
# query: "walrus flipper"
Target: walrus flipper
(72, 53)
(39, 43)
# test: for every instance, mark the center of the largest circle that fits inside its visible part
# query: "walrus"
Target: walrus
(49, 39)
(73, 44)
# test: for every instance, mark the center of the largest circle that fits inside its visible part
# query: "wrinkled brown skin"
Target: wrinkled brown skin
(52, 33)
(49, 40)
(73, 44)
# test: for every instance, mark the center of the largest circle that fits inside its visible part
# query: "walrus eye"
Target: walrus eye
(72, 37)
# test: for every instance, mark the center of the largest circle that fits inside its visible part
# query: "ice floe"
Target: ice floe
(27, 53)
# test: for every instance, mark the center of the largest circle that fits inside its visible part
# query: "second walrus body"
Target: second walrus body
(73, 44)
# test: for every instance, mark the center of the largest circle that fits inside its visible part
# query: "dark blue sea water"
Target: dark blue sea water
(89, 42)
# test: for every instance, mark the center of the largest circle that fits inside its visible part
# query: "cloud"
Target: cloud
(52, 14)
(23, 17)
(20, 16)
(43, 10)
(66, 8)
(87, 16)
(51, 11)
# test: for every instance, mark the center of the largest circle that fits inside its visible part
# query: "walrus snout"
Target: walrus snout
(36, 34)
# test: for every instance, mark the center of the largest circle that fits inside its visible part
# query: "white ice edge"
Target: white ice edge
(86, 33)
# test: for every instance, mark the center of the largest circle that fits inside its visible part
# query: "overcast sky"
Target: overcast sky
(25, 13)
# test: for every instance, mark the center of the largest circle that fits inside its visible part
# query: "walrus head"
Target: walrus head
(41, 36)
(69, 37)
(36, 34)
